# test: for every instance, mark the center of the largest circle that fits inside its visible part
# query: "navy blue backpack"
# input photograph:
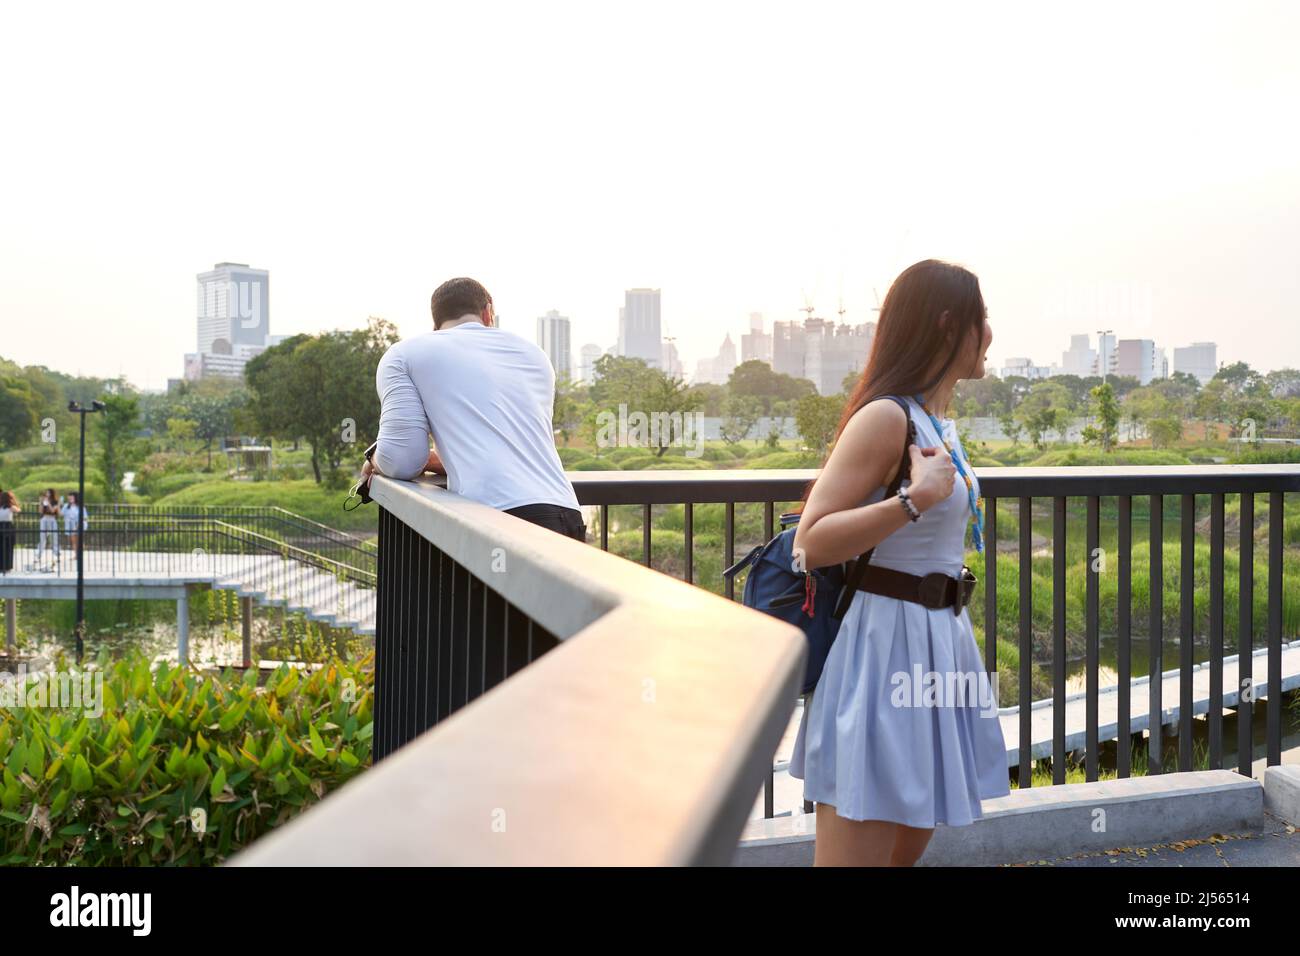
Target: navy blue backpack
(813, 601)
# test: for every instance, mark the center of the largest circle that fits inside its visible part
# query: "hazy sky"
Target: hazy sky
(1139, 160)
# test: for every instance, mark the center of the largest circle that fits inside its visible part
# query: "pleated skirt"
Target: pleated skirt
(902, 725)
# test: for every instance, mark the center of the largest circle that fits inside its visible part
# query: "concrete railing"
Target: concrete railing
(641, 736)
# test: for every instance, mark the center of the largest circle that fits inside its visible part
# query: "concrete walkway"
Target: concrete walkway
(1274, 844)
(788, 791)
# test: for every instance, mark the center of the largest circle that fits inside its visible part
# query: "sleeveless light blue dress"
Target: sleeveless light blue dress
(903, 725)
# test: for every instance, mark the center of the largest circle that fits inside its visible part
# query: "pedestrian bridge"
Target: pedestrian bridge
(266, 556)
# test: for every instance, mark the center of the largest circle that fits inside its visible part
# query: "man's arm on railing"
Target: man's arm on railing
(403, 444)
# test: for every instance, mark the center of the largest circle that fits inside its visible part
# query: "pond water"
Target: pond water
(46, 631)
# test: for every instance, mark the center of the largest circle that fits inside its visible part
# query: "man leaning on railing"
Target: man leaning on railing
(485, 397)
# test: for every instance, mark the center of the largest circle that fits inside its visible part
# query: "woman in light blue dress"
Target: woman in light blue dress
(901, 733)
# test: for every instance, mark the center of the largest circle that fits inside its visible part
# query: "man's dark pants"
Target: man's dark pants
(566, 521)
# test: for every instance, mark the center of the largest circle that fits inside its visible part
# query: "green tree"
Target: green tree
(320, 388)
(817, 417)
(1046, 408)
(758, 380)
(740, 414)
(983, 397)
(1106, 409)
(181, 430)
(1164, 431)
(119, 449)
(569, 407)
(18, 412)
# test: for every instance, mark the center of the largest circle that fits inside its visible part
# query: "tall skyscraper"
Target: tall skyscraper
(553, 339)
(639, 330)
(1199, 359)
(234, 320)
(756, 345)
(788, 348)
(587, 357)
(1107, 355)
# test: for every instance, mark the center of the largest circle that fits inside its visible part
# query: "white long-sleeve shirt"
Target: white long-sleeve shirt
(486, 395)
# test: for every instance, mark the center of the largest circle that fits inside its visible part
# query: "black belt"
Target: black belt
(935, 590)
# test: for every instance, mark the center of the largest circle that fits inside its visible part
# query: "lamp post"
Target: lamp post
(1101, 343)
(80, 632)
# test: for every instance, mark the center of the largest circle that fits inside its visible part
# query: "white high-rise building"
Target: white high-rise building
(756, 345)
(1081, 358)
(1199, 359)
(233, 319)
(553, 339)
(1107, 355)
(1025, 368)
(639, 330)
(587, 357)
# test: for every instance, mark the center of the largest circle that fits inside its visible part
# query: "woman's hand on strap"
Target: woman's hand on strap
(932, 476)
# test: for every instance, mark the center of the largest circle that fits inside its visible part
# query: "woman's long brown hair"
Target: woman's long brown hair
(909, 335)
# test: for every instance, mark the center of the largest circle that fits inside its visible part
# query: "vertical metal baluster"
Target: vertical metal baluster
(1092, 649)
(1124, 666)
(991, 587)
(1273, 730)
(1186, 629)
(446, 631)
(483, 650)
(1026, 591)
(729, 547)
(1245, 634)
(1216, 632)
(769, 782)
(604, 527)
(1155, 706)
(689, 518)
(645, 534)
(1058, 640)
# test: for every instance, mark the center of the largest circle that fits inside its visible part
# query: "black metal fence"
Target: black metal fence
(269, 521)
(1200, 494)
(443, 637)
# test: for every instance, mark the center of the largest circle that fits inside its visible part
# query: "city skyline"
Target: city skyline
(1111, 182)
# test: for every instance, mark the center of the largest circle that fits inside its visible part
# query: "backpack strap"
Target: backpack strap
(859, 567)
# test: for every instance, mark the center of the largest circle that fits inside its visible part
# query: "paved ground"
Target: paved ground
(1275, 844)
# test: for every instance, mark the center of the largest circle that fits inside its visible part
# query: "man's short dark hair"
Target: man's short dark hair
(456, 298)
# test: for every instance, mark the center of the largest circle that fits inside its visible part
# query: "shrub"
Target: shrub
(1095, 456)
(570, 455)
(182, 767)
(786, 459)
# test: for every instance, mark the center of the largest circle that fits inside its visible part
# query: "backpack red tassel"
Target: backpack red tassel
(809, 593)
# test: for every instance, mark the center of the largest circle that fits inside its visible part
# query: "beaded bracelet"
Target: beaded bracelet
(908, 506)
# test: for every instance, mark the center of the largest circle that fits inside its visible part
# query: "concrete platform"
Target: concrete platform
(1054, 822)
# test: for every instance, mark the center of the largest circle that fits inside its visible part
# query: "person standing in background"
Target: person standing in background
(73, 520)
(9, 510)
(48, 509)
